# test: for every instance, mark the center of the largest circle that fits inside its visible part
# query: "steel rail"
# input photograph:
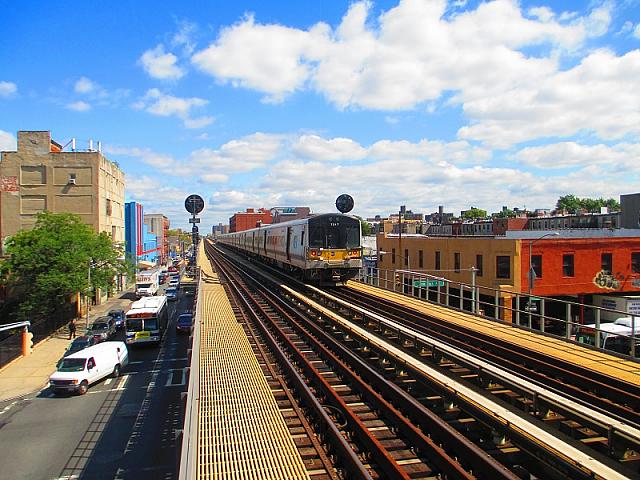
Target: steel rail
(376, 450)
(348, 458)
(523, 429)
(472, 455)
(505, 354)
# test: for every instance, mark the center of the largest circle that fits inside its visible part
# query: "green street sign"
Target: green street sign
(428, 283)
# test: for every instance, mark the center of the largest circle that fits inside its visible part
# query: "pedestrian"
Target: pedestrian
(72, 329)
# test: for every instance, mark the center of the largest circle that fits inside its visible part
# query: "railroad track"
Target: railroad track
(418, 398)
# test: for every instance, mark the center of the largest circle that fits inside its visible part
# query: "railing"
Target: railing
(556, 317)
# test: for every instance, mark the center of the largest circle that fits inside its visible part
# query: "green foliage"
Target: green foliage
(366, 226)
(51, 262)
(573, 204)
(474, 213)
(508, 213)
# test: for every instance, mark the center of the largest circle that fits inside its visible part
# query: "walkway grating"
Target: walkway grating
(242, 434)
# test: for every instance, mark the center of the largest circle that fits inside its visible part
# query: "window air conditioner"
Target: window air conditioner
(72, 181)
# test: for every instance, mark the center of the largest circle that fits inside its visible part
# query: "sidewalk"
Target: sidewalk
(29, 374)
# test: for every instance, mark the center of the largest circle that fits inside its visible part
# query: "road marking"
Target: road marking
(108, 381)
(123, 380)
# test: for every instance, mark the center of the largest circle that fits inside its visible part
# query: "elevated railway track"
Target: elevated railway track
(389, 400)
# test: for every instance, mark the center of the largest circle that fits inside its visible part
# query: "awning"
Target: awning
(145, 264)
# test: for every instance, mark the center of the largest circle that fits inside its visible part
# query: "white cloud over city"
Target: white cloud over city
(413, 53)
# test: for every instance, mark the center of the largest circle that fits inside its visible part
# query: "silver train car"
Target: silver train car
(324, 249)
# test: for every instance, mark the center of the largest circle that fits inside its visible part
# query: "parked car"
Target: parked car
(79, 370)
(118, 317)
(79, 343)
(184, 323)
(174, 282)
(102, 329)
(172, 293)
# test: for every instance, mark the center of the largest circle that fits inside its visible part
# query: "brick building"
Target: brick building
(249, 219)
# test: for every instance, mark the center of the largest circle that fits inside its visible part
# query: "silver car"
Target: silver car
(102, 329)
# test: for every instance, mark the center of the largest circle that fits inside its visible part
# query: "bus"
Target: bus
(147, 320)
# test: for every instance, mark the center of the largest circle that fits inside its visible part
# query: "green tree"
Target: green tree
(474, 213)
(508, 213)
(366, 226)
(573, 204)
(51, 262)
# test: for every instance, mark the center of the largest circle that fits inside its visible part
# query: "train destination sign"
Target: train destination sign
(194, 204)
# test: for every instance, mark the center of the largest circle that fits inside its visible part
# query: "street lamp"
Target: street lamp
(532, 274)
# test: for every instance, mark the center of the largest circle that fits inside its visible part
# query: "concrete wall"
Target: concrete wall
(37, 176)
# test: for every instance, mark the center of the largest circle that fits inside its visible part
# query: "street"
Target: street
(122, 428)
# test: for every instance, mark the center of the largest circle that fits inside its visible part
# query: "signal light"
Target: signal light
(27, 342)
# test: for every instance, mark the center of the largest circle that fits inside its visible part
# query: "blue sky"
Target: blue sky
(261, 104)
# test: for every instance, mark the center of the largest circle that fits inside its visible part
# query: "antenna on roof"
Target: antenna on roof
(73, 145)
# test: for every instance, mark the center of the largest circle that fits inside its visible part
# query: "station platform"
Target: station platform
(242, 434)
(599, 361)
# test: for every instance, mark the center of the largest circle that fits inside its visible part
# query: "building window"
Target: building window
(406, 257)
(606, 261)
(503, 266)
(635, 262)
(109, 209)
(393, 256)
(479, 265)
(437, 262)
(536, 264)
(567, 265)
(420, 259)
(456, 261)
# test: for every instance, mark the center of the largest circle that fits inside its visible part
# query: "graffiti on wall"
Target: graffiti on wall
(607, 280)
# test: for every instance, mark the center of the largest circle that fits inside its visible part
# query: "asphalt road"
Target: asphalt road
(123, 428)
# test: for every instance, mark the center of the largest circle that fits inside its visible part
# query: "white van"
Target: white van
(613, 336)
(79, 370)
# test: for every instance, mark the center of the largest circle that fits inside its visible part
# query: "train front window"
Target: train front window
(334, 232)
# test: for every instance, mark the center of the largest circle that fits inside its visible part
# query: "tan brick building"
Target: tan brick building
(40, 176)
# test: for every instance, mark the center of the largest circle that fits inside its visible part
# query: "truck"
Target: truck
(147, 283)
(76, 372)
(626, 305)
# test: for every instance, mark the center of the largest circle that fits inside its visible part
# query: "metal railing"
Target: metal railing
(597, 327)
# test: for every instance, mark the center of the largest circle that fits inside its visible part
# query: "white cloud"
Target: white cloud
(84, 85)
(600, 95)
(261, 57)
(636, 32)
(7, 89)
(314, 147)
(158, 103)
(7, 142)
(414, 54)
(571, 154)
(242, 155)
(184, 37)
(267, 170)
(199, 122)
(161, 65)
(78, 106)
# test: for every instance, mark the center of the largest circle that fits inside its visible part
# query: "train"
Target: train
(324, 249)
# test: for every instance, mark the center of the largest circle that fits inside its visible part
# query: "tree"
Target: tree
(51, 262)
(473, 213)
(366, 226)
(508, 213)
(573, 204)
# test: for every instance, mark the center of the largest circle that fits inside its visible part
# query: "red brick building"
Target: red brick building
(249, 219)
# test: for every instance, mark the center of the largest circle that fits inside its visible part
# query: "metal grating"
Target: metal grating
(242, 434)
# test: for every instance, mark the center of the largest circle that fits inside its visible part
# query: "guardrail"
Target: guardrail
(190, 433)
(557, 317)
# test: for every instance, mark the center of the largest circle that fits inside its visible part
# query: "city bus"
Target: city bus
(146, 321)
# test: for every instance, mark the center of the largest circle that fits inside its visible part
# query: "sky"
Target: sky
(291, 103)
